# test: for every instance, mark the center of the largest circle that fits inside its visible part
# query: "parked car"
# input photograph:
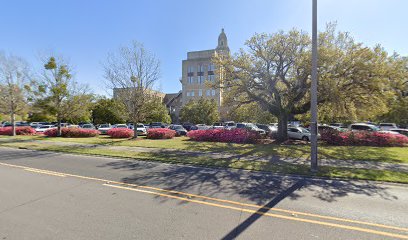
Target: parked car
(121, 126)
(251, 127)
(217, 125)
(202, 127)
(299, 133)
(88, 126)
(141, 129)
(400, 131)
(267, 128)
(157, 125)
(104, 128)
(363, 127)
(44, 128)
(188, 126)
(180, 130)
(230, 125)
(387, 126)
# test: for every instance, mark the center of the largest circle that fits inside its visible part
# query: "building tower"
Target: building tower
(198, 69)
(222, 42)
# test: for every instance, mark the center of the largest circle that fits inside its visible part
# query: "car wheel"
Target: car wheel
(305, 138)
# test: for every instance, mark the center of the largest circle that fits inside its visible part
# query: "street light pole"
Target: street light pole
(313, 91)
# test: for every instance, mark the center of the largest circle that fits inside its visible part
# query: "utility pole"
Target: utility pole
(313, 91)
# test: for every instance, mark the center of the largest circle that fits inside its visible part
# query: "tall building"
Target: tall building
(198, 68)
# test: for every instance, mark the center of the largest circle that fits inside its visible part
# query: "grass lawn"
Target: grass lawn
(348, 173)
(362, 153)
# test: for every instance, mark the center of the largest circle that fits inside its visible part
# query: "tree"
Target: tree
(157, 111)
(275, 72)
(14, 87)
(133, 71)
(108, 111)
(60, 95)
(200, 111)
(250, 112)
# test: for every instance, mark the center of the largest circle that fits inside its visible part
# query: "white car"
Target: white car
(104, 128)
(400, 131)
(299, 133)
(387, 126)
(121, 126)
(230, 125)
(363, 127)
(44, 128)
(141, 129)
(202, 127)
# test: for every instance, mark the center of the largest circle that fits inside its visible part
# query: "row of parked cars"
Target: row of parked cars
(295, 132)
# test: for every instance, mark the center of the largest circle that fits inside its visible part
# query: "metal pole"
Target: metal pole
(313, 92)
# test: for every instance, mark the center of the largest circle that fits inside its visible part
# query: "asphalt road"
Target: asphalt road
(45, 195)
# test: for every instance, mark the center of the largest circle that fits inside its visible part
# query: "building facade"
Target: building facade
(198, 72)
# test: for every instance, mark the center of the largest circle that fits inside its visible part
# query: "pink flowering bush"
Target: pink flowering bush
(19, 131)
(223, 135)
(72, 132)
(120, 133)
(364, 138)
(160, 133)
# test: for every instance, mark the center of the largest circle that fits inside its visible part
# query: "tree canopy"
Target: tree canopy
(200, 111)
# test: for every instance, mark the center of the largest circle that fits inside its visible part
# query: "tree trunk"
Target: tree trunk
(282, 127)
(135, 130)
(59, 130)
(13, 124)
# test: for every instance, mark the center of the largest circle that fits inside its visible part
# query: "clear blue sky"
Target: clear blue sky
(84, 31)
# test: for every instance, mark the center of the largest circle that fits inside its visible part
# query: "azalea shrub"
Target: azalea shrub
(160, 133)
(120, 133)
(364, 138)
(236, 135)
(72, 132)
(19, 131)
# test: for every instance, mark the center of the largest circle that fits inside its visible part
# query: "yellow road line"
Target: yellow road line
(46, 172)
(267, 214)
(216, 199)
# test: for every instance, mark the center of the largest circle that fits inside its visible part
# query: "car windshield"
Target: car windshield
(251, 125)
(304, 130)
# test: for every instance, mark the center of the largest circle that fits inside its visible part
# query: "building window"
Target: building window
(200, 68)
(200, 92)
(200, 79)
(213, 92)
(208, 92)
(190, 79)
(211, 78)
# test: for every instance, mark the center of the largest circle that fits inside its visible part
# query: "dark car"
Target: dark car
(180, 130)
(157, 125)
(188, 126)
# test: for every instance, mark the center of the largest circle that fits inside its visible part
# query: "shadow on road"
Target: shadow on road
(255, 216)
(257, 187)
